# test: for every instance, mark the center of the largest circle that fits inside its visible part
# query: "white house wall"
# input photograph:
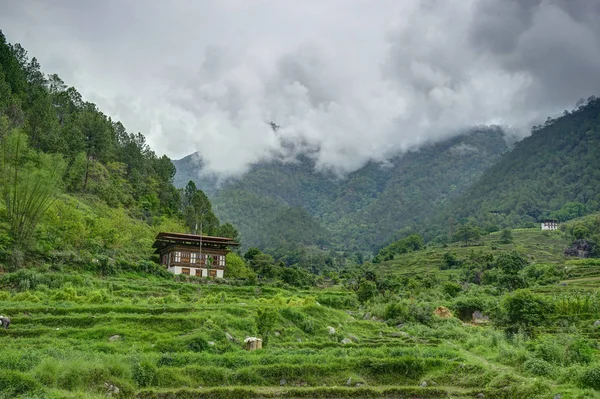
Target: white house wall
(204, 272)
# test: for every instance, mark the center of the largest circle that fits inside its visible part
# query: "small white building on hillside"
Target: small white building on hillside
(549, 225)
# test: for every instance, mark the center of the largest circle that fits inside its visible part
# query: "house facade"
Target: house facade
(193, 255)
(549, 225)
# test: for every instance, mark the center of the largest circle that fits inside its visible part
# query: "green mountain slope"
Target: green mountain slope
(363, 210)
(555, 172)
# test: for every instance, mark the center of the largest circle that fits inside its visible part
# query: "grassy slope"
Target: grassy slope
(540, 247)
(173, 344)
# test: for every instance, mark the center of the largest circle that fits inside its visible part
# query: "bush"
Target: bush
(579, 351)
(144, 374)
(451, 261)
(13, 384)
(506, 236)
(366, 291)
(590, 378)
(451, 289)
(538, 367)
(197, 344)
(524, 310)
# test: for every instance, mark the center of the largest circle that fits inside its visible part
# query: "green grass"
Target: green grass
(173, 337)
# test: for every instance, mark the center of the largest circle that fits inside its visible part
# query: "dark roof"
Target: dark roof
(165, 239)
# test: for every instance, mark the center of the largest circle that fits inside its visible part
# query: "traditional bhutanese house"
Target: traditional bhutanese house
(549, 225)
(189, 253)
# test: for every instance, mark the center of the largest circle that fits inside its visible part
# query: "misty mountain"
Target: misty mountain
(554, 173)
(286, 203)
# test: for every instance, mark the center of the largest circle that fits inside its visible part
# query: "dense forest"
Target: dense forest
(74, 181)
(554, 173)
(362, 211)
(477, 178)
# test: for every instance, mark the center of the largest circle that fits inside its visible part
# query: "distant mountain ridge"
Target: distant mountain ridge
(554, 172)
(280, 204)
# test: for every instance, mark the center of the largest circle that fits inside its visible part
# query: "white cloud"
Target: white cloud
(347, 80)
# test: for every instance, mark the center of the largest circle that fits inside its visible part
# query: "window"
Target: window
(199, 272)
(193, 257)
(212, 273)
(177, 256)
(222, 260)
(185, 271)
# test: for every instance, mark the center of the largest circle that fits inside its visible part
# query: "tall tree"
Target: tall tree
(197, 211)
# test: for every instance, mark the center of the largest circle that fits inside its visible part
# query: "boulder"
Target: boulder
(114, 338)
(330, 330)
(443, 312)
(346, 341)
(282, 382)
(367, 316)
(480, 318)
(229, 337)
(423, 384)
(349, 382)
(353, 337)
(597, 323)
(580, 248)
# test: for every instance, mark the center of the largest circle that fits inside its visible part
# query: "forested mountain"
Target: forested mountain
(76, 184)
(553, 173)
(278, 203)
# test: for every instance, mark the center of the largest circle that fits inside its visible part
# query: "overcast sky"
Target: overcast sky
(347, 80)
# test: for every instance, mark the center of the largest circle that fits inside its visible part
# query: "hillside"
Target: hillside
(361, 211)
(80, 333)
(554, 173)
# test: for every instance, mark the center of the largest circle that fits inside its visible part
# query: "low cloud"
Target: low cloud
(346, 81)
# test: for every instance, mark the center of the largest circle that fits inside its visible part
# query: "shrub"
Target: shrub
(451, 289)
(14, 384)
(506, 236)
(451, 261)
(579, 351)
(144, 374)
(524, 310)
(265, 321)
(197, 344)
(366, 291)
(538, 367)
(396, 311)
(590, 378)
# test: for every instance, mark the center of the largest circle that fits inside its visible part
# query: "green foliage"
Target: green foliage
(366, 291)
(538, 367)
(236, 267)
(590, 377)
(197, 211)
(15, 384)
(524, 311)
(265, 320)
(506, 236)
(553, 173)
(144, 373)
(413, 242)
(580, 232)
(197, 343)
(467, 234)
(30, 181)
(451, 289)
(285, 203)
(451, 261)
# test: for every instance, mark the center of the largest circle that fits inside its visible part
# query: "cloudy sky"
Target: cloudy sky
(347, 80)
